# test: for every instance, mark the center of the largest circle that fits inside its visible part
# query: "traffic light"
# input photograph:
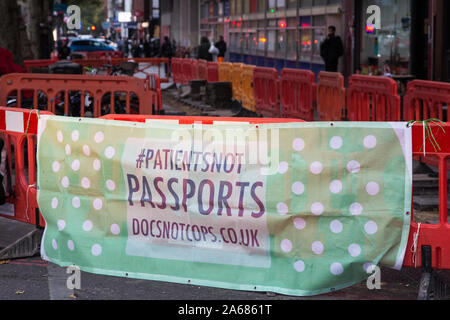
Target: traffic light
(93, 28)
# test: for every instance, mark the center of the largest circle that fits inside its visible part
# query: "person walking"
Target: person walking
(222, 46)
(203, 50)
(331, 50)
(167, 52)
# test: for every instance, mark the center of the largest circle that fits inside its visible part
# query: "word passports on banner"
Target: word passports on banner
(298, 208)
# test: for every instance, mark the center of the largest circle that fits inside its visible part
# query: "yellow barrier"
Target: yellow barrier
(236, 76)
(247, 94)
(225, 70)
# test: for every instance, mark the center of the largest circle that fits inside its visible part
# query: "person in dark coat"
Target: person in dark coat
(203, 50)
(331, 50)
(222, 46)
(167, 52)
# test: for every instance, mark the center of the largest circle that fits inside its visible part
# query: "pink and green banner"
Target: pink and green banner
(298, 208)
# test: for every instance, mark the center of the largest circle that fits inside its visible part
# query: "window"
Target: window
(261, 5)
(292, 4)
(291, 44)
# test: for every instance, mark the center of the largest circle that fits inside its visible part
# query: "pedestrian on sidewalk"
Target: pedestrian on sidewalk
(167, 52)
(222, 46)
(331, 50)
(203, 50)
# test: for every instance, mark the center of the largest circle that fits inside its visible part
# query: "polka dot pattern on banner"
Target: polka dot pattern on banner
(286, 245)
(282, 208)
(317, 247)
(299, 223)
(96, 250)
(70, 245)
(299, 266)
(298, 144)
(336, 143)
(336, 268)
(316, 168)
(298, 188)
(110, 152)
(283, 167)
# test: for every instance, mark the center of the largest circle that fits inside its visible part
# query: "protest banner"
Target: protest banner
(295, 208)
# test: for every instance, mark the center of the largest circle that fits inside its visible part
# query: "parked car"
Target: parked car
(89, 45)
(109, 43)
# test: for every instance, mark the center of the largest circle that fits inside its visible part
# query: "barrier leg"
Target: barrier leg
(431, 287)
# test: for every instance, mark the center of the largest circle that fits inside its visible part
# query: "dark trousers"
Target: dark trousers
(331, 66)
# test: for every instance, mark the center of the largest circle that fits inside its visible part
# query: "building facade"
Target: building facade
(412, 39)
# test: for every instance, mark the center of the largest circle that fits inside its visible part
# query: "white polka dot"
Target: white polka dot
(298, 188)
(282, 208)
(85, 183)
(70, 245)
(54, 244)
(286, 245)
(369, 267)
(96, 250)
(354, 250)
(298, 144)
(54, 203)
(59, 136)
(353, 166)
(110, 185)
(99, 137)
(76, 165)
(370, 142)
(97, 165)
(75, 135)
(336, 143)
(61, 225)
(356, 209)
(56, 166)
(372, 188)
(65, 182)
(317, 209)
(283, 167)
(300, 223)
(76, 202)
(110, 152)
(316, 167)
(86, 150)
(336, 226)
(371, 227)
(336, 268)
(115, 229)
(68, 150)
(299, 266)
(336, 186)
(98, 204)
(87, 225)
(317, 247)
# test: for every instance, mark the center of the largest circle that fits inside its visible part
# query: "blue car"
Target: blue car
(89, 45)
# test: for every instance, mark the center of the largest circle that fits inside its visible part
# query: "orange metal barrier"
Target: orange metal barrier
(155, 85)
(177, 70)
(196, 119)
(236, 79)
(297, 93)
(225, 72)
(373, 99)
(18, 128)
(189, 67)
(202, 67)
(331, 96)
(99, 92)
(434, 238)
(247, 93)
(266, 88)
(425, 100)
(213, 72)
(31, 64)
